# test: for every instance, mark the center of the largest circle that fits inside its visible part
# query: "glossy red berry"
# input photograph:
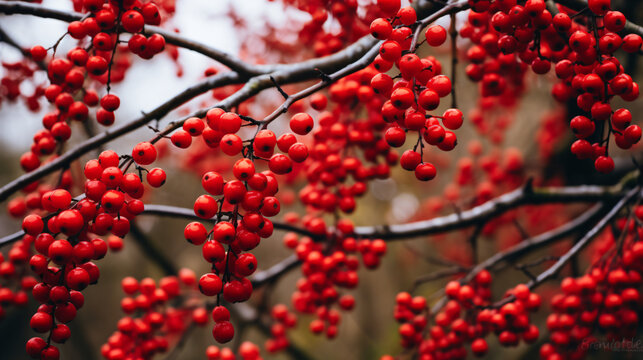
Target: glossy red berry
(144, 153)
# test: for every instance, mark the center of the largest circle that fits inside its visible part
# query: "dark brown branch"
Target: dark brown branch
(553, 271)
(453, 33)
(185, 213)
(460, 220)
(531, 244)
(490, 209)
(151, 251)
(274, 272)
(436, 275)
(117, 131)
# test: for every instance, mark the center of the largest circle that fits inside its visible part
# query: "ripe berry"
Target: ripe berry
(301, 123)
(243, 169)
(223, 332)
(380, 29)
(436, 35)
(280, 164)
(410, 160)
(452, 119)
(156, 177)
(604, 164)
(195, 233)
(38, 53)
(212, 182)
(210, 284)
(41, 322)
(402, 98)
(181, 139)
(246, 264)
(110, 102)
(205, 206)
(194, 126)
(229, 123)
(144, 153)
(425, 172)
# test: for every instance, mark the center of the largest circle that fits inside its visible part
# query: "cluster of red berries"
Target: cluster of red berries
(327, 271)
(221, 132)
(241, 212)
(283, 321)
(64, 264)
(110, 18)
(14, 285)
(15, 74)
(338, 142)
(64, 268)
(508, 38)
(153, 321)
(419, 90)
(486, 175)
(468, 317)
(69, 90)
(349, 18)
(605, 302)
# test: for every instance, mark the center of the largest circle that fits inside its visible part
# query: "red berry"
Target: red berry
(144, 153)
(436, 35)
(301, 123)
(223, 332)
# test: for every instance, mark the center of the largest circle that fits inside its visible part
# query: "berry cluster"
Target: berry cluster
(417, 92)
(64, 265)
(284, 320)
(240, 213)
(70, 91)
(152, 323)
(468, 317)
(15, 285)
(509, 38)
(16, 74)
(326, 271)
(605, 301)
(338, 142)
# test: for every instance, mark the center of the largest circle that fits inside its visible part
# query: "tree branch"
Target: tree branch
(552, 271)
(531, 244)
(117, 131)
(521, 196)
(578, 5)
(235, 64)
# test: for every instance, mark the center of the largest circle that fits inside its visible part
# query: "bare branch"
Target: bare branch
(492, 208)
(117, 131)
(528, 245)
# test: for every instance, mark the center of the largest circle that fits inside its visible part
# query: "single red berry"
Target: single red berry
(144, 153)
(223, 332)
(301, 123)
(210, 284)
(436, 35)
(132, 21)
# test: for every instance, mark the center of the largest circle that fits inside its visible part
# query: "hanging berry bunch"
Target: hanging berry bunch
(415, 91)
(98, 57)
(152, 323)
